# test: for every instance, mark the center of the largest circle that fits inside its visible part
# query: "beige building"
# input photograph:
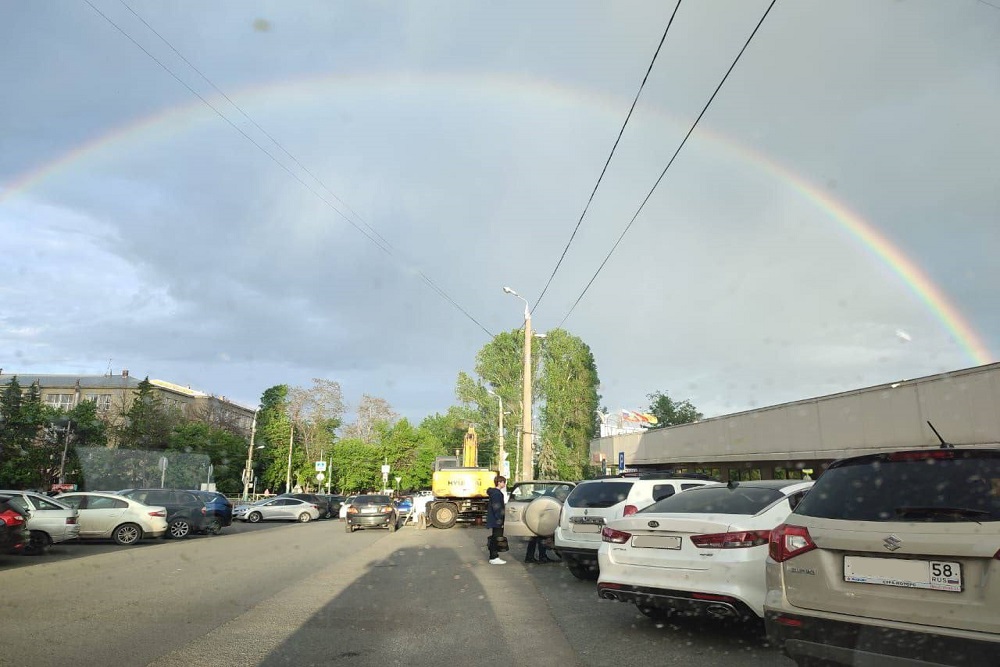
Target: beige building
(113, 395)
(781, 441)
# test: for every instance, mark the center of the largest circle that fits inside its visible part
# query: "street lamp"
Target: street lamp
(248, 473)
(500, 414)
(526, 439)
(68, 423)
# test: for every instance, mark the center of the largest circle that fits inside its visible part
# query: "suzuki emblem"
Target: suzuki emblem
(653, 524)
(585, 512)
(892, 543)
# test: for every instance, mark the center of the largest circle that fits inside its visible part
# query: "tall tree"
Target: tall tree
(148, 422)
(570, 401)
(371, 411)
(317, 412)
(669, 412)
(273, 430)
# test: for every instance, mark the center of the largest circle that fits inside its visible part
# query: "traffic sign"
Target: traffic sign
(385, 470)
(320, 466)
(320, 477)
(621, 461)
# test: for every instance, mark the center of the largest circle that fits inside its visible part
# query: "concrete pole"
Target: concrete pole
(249, 471)
(288, 472)
(526, 439)
(500, 433)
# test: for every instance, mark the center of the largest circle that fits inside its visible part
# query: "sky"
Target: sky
(830, 224)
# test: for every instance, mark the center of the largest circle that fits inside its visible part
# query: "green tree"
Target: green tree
(449, 429)
(356, 465)
(568, 412)
(148, 422)
(273, 432)
(195, 445)
(27, 440)
(669, 412)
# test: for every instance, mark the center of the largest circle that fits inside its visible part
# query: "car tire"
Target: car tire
(127, 534)
(254, 517)
(444, 515)
(305, 517)
(582, 570)
(214, 527)
(179, 529)
(38, 543)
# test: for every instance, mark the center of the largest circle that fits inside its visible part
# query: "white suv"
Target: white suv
(594, 502)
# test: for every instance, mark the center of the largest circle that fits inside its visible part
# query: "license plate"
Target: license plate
(656, 542)
(934, 575)
(586, 528)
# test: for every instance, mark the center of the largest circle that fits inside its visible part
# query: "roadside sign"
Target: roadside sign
(621, 461)
(320, 466)
(385, 470)
(320, 477)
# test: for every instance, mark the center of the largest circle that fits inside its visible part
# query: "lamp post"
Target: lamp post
(526, 437)
(500, 443)
(62, 463)
(248, 473)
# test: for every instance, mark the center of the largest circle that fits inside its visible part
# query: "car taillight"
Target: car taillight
(921, 456)
(70, 520)
(384, 509)
(788, 541)
(11, 518)
(158, 513)
(630, 510)
(204, 511)
(743, 539)
(614, 536)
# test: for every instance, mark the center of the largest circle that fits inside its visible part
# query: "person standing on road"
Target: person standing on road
(494, 517)
(538, 543)
(420, 510)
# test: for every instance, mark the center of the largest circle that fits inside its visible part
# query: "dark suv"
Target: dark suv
(220, 511)
(186, 511)
(321, 502)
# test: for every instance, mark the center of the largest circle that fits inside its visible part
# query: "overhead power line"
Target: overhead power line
(610, 155)
(665, 169)
(379, 242)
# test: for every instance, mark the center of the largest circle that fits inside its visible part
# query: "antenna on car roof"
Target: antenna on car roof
(944, 445)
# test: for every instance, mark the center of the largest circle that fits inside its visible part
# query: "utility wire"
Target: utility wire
(674, 157)
(255, 124)
(610, 155)
(384, 248)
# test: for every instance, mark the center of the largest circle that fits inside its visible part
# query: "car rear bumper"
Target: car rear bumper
(683, 602)
(370, 521)
(803, 636)
(577, 553)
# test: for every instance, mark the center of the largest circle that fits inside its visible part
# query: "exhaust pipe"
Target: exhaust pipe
(720, 611)
(607, 594)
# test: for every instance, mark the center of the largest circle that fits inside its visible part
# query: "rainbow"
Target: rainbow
(856, 227)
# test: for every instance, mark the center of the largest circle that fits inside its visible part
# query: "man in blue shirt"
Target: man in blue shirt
(495, 516)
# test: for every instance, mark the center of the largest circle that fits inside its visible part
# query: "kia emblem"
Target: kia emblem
(653, 524)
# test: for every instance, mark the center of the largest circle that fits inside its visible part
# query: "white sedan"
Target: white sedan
(108, 515)
(698, 552)
(49, 521)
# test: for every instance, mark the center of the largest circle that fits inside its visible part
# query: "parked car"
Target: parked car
(186, 511)
(892, 558)
(111, 516)
(346, 506)
(14, 533)
(594, 502)
(219, 511)
(280, 508)
(543, 517)
(700, 552)
(335, 503)
(372, 511)
(322, 504)
(49, 521)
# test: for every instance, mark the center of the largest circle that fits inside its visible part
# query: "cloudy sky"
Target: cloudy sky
(832, 223)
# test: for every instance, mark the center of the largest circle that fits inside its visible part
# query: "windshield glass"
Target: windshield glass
(599, 494)
(531, 490)
(740, 499)
(962, 487)
(372, 500)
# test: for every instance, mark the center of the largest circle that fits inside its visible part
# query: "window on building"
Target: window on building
(103, 401)
(60, 401)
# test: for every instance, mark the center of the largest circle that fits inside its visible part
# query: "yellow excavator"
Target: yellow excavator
(460, 490)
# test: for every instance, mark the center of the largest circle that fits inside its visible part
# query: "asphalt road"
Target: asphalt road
(313, 595)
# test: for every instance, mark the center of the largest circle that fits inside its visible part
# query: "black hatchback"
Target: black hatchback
(186, 511)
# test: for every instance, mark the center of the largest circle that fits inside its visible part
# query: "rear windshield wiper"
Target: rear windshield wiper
(966, 512)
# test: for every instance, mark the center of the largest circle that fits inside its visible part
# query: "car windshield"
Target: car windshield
(372, 500)
(725, 499)
(599, 494)
(936, 486)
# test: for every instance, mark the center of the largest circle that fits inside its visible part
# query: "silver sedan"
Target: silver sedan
(49, 521)
(277, 509)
